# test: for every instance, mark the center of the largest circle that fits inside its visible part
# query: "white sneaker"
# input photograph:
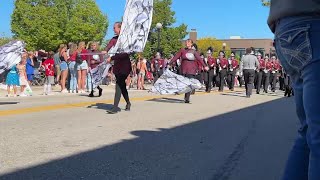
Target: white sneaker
(64, 91)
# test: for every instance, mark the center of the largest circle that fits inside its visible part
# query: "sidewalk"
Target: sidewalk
(38, 90)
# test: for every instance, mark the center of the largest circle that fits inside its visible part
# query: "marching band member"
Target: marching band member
(266, 74)
(121, 69)
(274, 73)
(232, 67)
(210, 76)
(260, 72)
(189, 58)
(222, 69)
(157, 66)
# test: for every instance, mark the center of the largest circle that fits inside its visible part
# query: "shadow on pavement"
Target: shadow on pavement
(167, 100)
(247, 144)
(101, 106)
(8, 103)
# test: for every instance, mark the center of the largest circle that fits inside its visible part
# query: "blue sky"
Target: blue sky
(215, 18)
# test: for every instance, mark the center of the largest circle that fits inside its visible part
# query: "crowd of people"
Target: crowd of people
(73, 74)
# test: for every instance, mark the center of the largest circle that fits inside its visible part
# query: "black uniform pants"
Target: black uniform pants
(281, 82)
(156, 75)
(265, 80)
(230, 79)
(222, 77)
(209, 79)
(256, 80)
(273, 81)
(249, 80)
(259, 80)
(187, 95)
(121, 89)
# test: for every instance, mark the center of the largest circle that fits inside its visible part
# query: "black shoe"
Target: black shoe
(91, 94)
(187, 101)
(114, 110)
(258, 92)
(128, 107)
(100, 92)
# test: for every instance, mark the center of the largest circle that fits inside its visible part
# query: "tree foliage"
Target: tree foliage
(205, 43)
(265, 2)
(170, 37)
(44, 24)
(4, 40)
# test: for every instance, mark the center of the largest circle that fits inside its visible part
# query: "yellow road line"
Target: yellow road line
(81, 104)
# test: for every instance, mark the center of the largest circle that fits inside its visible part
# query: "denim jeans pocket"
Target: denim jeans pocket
(295, 48)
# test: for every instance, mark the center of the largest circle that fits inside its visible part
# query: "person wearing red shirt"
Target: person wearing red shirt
(274, 73)
(223, 66)
(266, 74)
(49, 67)
(259, 73)
(94, 61)
(121, 69)
(82, 67)
(189, 66)
(233, 65)
(210, 76)
(157, 66)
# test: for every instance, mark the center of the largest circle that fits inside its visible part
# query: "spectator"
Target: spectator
(30, 67)
(82, 68)
(22, 74)
(64, 68)
(142, 67)
(57, 63)
(49, 67)
(73, 68)
(12, 80)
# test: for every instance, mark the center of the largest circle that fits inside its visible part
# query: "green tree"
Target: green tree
(44, 24)
(170, 37)
(217, 45)
(86, 22)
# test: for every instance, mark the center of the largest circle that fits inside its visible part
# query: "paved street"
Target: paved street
(219, 136)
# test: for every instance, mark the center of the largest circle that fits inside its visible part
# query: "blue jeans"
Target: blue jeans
(73, 76)
(297, 41)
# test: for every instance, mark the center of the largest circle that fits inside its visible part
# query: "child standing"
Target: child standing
(48, 65)
(22, 74)
(12, 80)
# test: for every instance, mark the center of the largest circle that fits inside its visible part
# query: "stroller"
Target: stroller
(39, 78)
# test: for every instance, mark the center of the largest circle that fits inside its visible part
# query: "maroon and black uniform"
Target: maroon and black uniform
(274, 75)
(223, 66)
(121, 69)
(210, 76)
(259, 74)
(233, 66)
(189, 65)
(158, 67)
(93, 63)
(266, 75)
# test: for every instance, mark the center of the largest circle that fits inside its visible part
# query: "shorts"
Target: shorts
(58, 71)
(63, 66)
(23, 81)
(30, 77)
(143, 74)
(49, 80)
(82, 66)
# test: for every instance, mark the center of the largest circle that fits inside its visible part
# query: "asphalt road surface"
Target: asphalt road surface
(220, 136)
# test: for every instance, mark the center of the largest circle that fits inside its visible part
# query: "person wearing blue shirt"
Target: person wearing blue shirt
(30, 67)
